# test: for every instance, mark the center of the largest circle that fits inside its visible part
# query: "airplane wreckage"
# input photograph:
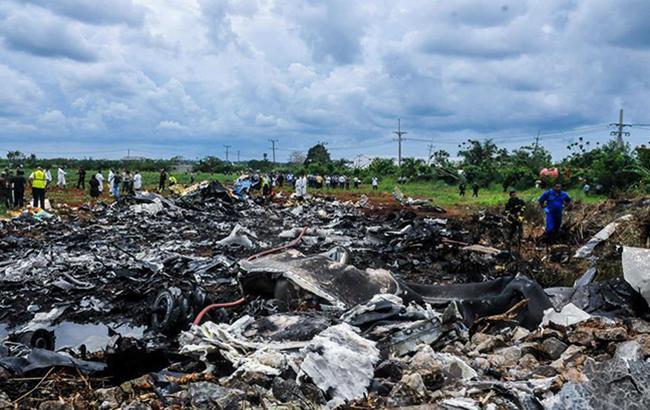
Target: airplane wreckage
(213, 299)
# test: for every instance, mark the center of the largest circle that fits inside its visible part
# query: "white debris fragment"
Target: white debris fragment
(152, 208)
(601, 236)
(569, 315)
(340, 362)
(636, 269)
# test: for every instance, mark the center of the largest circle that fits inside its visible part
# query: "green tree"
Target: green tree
(318, 154)
(481, 160)
(382, 167)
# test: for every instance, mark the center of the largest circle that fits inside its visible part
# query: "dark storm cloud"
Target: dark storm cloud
(44, 37)
(95, 12)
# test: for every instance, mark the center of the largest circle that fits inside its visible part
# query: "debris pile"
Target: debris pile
(213, 300)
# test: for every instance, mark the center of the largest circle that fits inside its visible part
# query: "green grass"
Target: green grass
(447, 195)
(439, 193)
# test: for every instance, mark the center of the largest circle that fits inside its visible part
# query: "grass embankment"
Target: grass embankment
(439, 193)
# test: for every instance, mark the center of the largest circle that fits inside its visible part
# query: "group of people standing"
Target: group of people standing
(12, 188)
(475, 189)
(13, 185)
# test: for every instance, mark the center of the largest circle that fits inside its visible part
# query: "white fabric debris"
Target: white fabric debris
(238, 237)
(340, 361)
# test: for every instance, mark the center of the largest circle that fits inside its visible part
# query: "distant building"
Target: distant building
(132, 158)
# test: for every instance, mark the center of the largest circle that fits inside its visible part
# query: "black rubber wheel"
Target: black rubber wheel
(165, 313)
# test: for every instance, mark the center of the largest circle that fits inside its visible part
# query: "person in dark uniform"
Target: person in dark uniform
(515, 208)
(475, 188)
(163, 180)
(81, 180)
(19, 183)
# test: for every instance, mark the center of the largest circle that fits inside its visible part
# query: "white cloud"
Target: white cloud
(205, 72)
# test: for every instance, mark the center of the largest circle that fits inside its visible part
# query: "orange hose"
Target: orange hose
(208, 308)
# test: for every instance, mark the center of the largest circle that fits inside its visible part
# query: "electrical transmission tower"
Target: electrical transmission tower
(273, 142)
(227, 150)
(430, 146)
(620, 124)
(536, 142)
(399, 134)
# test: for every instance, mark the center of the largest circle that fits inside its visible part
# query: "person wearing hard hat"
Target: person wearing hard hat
(39, 181)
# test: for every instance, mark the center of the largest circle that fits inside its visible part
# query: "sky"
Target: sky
(86, 78)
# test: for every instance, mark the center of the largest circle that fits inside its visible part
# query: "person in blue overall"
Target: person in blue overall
(553, 202)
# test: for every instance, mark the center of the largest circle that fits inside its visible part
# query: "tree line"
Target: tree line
(615, 168)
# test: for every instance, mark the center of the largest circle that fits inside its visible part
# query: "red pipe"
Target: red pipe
(208, 308)
(241, 301)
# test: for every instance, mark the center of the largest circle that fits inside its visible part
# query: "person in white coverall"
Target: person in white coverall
(60, 177)
(301, 187)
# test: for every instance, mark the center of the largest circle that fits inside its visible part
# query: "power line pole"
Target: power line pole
(536, 142)
(620, 124)
(272, 141)
(227, 149)
(399, 134)
(237, 155)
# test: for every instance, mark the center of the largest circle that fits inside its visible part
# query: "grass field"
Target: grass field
(441, 194)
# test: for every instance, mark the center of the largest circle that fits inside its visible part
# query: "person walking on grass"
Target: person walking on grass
(475, 189)
(100, 179)
(461, 189)
(375, 183)
(60, 177)
(39, 182)
(81, 180)
(162, 180)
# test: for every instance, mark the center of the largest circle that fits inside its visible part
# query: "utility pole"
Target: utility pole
(430, 146)
(227, 149)
(272, 141)
(619, 134)
(399, 134)
(237, 155)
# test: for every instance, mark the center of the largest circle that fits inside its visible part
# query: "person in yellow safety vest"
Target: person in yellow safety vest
(172, 180)
(39, 181)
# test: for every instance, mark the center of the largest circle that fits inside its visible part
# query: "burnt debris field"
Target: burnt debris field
(210, 300)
